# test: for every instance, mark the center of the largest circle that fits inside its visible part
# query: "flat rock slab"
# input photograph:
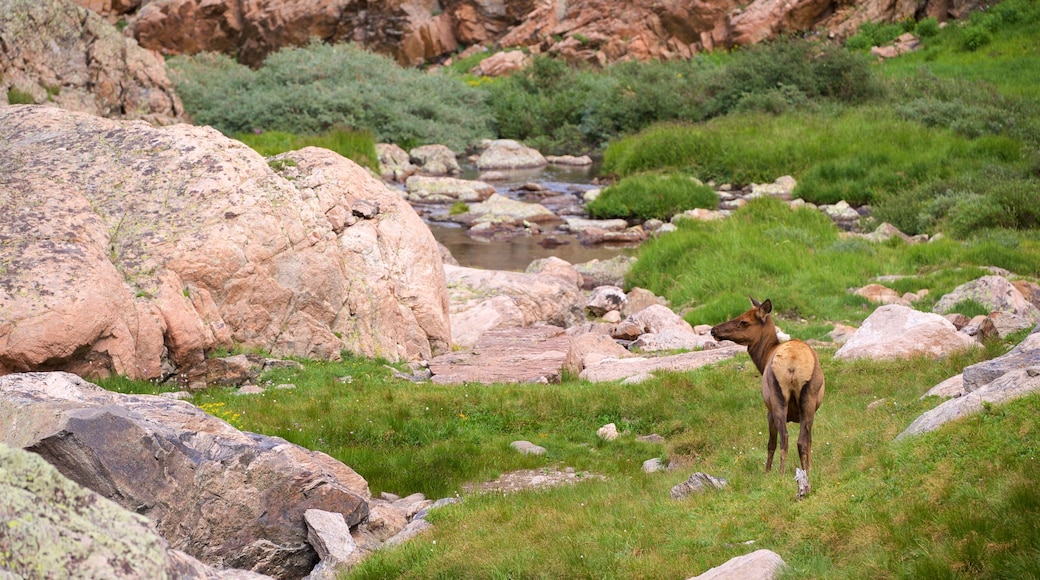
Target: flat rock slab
(620, 369)
(533, 354)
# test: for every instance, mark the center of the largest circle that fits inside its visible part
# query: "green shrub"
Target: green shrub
(963, 206)
(359, 146)
(313, 89)
(870, 34)
(928, 28)
(653, 196)
(975, 38)
(812, 69)
(19, 97)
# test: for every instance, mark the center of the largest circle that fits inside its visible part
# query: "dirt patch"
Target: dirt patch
(531, 479)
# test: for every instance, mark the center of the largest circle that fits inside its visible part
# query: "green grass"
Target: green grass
(961, 502)
(798, 259)
(358, 146)
(858, 155)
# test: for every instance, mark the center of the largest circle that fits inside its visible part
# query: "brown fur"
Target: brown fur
(792, 380)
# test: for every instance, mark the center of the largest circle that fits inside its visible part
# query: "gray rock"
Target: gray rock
(609, 272)
(951, 387)
(435, 160)
(53, 528)
(653, 465)
(509, 154)
(329, 534)
(1025, 354)
(226, 497)
(758, 565)
(1010, 386)
(697, 483)
(527, 448)
(608, 432)
(606, 299)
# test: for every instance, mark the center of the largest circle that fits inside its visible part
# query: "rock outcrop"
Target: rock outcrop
(134, 250)
(53, 528)
(226, 497)
(55, 52)
(588, 31)
(1001, 380)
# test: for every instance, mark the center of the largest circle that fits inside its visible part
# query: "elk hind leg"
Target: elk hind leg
(805, 438)
(772, 441)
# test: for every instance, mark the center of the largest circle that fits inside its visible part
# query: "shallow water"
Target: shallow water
(518, 253)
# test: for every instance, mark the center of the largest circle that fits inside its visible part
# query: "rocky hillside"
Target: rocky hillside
(54, 52)
(417, 31)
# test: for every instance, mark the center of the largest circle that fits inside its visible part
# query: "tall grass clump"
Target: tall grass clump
(312, 89)
(358, 146)
(652, 196)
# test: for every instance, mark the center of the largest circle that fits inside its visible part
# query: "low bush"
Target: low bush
(359, 146)
(312, 89)
(653, 196)
(807, 70)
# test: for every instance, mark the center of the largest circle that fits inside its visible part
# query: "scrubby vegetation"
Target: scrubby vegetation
(313, 89)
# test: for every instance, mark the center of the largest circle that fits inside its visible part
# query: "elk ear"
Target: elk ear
(754, 302)
(766, 308)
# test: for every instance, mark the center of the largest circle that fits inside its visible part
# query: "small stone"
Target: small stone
(249, 390)
(608, 432)
(527, 448)
(652, 465)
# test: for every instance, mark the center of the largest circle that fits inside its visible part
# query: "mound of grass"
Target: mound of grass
(313, 89)
(358, 146)
(652, 196)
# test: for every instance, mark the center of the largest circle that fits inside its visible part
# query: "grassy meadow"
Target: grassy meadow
(943, 140)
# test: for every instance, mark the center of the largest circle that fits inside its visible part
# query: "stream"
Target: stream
(516, 254)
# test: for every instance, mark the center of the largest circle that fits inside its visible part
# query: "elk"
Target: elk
(792, 380)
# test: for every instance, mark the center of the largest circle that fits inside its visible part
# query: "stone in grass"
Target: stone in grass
(760, 565)
(527, 448)
(608, 432)
(697, 483)
(653, 465)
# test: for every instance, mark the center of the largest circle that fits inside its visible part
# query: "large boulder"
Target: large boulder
(226, 497)
(895, 331)
(486, 299)
(509, 154)
(55, 52)
(135, 250)
(1025, 355)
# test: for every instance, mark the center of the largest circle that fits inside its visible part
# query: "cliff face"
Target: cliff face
(417, 31)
